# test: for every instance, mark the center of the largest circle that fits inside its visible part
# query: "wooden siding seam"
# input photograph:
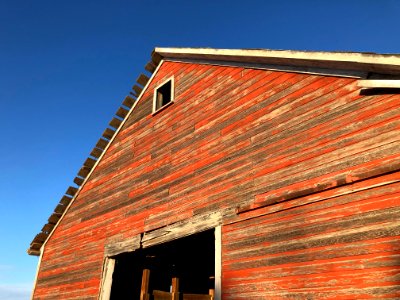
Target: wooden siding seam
(344, 179)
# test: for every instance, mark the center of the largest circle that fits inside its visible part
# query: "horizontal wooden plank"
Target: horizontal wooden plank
(116, 247)
(330, 243)
(181, 229)
(359, 186)
(391, 165)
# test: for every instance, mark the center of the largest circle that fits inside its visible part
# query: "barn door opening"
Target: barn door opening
(191, 260)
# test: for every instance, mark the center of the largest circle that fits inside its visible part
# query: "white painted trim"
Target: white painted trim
(103, 153)
(352, 61)
(37, 273)
(379, 83)
(218, 263)
(109, 265)
(356, 57)
(106, 280)
(155, 110)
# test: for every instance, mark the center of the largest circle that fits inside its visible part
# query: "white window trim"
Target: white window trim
(155, 110)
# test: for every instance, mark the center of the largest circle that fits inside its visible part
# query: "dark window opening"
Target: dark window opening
(191, 259)
(163, 95)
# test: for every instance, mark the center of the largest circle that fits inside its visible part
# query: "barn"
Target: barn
(237, 174)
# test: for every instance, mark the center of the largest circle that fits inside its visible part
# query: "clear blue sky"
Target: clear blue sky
(65, 67)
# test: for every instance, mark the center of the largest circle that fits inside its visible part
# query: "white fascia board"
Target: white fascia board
(378, 83)
(391, 61)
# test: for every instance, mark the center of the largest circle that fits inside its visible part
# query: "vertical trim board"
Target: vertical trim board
(106, 283)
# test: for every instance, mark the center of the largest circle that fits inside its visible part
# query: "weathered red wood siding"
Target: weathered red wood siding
(342, 244)
(232, 135)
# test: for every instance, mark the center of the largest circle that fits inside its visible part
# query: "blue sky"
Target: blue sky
(65, 67)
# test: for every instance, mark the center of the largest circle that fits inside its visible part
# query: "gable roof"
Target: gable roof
(352, 64)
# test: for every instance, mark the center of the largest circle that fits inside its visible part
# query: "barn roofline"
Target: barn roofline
(295, 61)
(357, 61)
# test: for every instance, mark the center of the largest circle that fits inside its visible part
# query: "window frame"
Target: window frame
(162, 235)
(155, 109)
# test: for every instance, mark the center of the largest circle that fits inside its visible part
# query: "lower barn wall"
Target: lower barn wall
(335, 247)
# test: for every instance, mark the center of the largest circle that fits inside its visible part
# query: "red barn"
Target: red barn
(237, 174)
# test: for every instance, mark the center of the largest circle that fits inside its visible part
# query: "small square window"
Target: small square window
(163, 95)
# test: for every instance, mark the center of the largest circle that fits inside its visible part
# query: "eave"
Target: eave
(357, 61)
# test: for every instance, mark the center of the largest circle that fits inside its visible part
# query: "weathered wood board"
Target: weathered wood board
(239, 137)
(340, 247)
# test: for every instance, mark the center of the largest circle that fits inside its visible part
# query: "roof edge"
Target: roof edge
(95, 156)
(385, 63)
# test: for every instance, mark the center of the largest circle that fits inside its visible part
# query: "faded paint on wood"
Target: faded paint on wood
(181, 229)
(233, 137)
(105, 289)
(344, 247)
(115, 247)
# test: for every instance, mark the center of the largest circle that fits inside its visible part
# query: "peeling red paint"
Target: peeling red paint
(311, 164)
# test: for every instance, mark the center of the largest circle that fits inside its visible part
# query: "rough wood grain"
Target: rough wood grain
(142, 79)
(115, 123)
(78, 181)
(96, 152)
(121, 112)
(181, 229)
(108, 133)
(116, 247)
(321, 155)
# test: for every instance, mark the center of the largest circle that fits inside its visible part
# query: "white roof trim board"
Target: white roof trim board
(389, 63)
(379, 83)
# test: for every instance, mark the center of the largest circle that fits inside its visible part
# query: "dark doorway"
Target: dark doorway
(191, 259)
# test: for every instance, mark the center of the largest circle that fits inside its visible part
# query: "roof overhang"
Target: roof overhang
(368, 62)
